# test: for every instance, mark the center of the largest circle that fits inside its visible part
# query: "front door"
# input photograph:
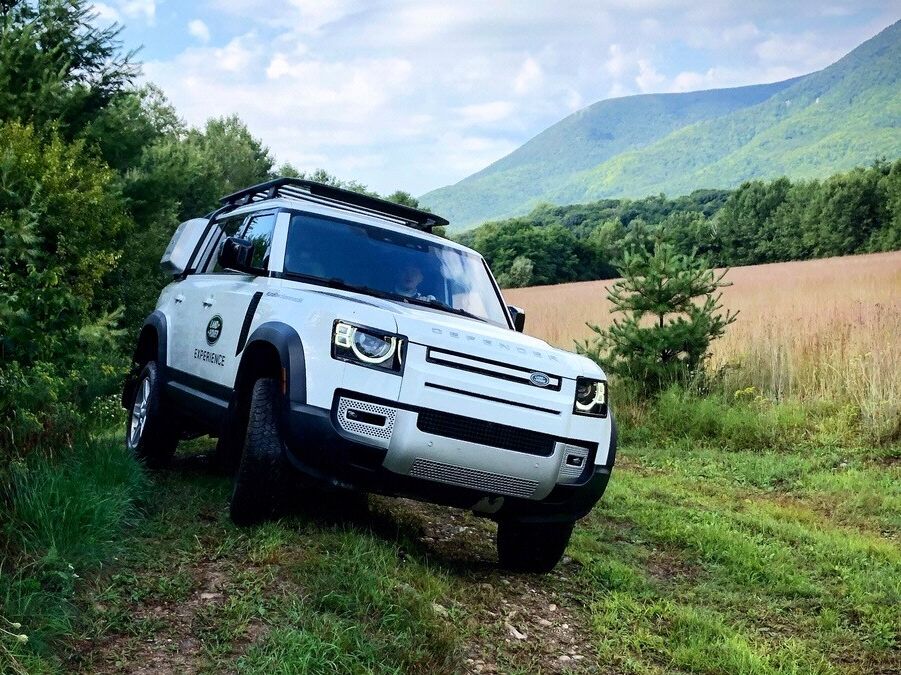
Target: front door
(218, 304)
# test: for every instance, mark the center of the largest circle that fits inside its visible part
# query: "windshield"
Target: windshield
(391, 264)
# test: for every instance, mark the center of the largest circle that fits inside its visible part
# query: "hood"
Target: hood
(435, 328)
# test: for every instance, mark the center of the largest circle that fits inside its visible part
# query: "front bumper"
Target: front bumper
(407, 461)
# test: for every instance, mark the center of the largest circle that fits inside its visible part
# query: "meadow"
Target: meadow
(753, 528)
(812, 330)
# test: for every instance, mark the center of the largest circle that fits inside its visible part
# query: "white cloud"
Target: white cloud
(304, 16)
(617, 61)
(573, 100)
(648, 79)
(630, 70)
(200, 30)
(145, 9)
(529, 77)
(485, 113)
(838, 10)
(806, 51)
(105, 13)
(118, 10)
(278, 67)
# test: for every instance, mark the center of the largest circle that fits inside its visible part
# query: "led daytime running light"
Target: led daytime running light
(345, 337)
(598, 399)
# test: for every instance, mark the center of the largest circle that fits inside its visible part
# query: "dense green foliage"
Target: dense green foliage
(61, 216)
(843, 116)
(760, 222)
(95, 173)
(672, 313)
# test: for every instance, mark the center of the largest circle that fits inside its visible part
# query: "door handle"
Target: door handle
(179, 298)
(208, 302)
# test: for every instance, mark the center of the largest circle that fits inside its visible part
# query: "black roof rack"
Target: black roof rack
(300, 188)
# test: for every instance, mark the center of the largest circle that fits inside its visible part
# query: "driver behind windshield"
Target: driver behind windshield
(407, 281)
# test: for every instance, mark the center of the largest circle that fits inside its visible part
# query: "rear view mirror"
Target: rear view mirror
(182, 245)
(236, 254)
(518, 316)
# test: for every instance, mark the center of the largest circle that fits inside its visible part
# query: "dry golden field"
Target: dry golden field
(813, 329)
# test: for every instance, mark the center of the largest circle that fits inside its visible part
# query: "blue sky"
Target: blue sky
(418, 94)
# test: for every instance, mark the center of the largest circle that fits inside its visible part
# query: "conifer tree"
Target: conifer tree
(671, 303)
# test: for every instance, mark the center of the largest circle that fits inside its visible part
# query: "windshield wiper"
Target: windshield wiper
(444, 307)
(358, 288)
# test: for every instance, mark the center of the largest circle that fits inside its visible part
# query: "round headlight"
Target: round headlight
(371, 348)
(586, 394)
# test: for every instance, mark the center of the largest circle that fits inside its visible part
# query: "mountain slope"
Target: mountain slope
(829, 121)
(845, 115)
(582, 141)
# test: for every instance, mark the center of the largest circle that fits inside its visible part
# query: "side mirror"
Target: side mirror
(518, 316)
(236, 254)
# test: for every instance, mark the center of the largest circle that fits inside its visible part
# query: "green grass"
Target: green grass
(62, 519)
(695, 571)
(734, 538)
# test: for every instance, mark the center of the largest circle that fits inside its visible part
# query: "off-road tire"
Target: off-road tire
(230, 444)
(531, 547)
(259, 491)
(151, 431)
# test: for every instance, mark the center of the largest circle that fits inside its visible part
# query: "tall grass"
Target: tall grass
(61, 518)
(810, 331)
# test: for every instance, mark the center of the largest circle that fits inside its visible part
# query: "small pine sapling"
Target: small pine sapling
(671, 303)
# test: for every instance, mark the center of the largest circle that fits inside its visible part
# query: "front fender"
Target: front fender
(290, 350)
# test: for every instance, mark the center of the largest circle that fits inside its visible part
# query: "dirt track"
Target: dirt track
(519, 623)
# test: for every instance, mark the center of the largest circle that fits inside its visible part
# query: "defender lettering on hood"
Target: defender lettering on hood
(490, 342)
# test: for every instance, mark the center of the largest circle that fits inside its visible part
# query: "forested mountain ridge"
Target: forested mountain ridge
(580, 142)
(843, 116)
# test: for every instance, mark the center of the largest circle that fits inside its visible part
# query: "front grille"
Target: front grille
(485, 433)
(490, 368)
(484, 481)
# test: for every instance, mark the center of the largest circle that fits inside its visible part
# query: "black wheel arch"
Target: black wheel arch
(274, 349)
(151, 346)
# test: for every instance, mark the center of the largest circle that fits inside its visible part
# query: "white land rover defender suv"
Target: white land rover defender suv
(327, 337)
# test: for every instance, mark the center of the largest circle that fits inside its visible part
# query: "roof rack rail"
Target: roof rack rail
(300, 188)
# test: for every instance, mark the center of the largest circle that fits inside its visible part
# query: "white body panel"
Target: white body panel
(440, 348)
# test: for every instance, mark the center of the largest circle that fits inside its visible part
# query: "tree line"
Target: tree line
(858, 211)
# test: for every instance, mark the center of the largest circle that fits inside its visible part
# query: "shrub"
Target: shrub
(60, 216)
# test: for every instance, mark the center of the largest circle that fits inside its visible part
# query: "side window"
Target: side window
(227, 227)
(259, 231)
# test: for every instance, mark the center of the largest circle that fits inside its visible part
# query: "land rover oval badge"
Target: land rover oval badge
(539, 379)
(213, 330)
